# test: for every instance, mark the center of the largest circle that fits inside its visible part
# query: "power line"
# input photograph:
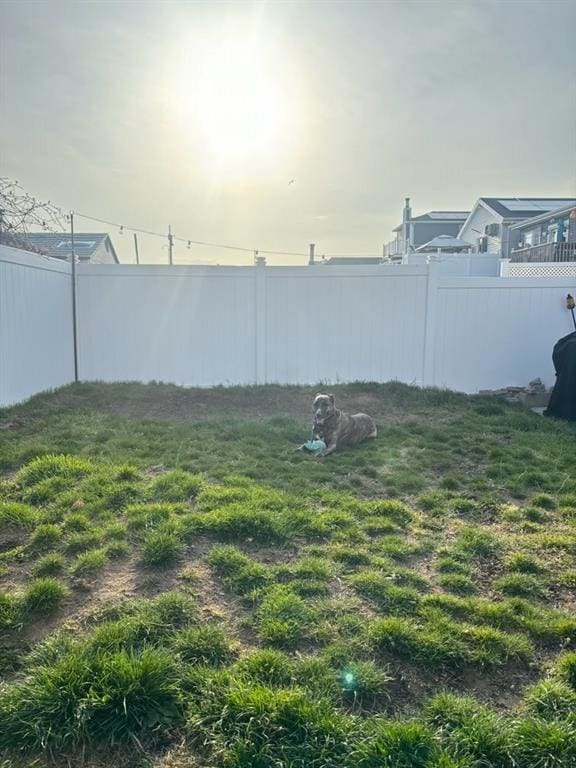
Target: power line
(187, 240)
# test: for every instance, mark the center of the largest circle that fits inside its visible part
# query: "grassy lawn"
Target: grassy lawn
(180, 588)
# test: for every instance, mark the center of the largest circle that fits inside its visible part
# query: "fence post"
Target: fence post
(428, 378)
(260, 320)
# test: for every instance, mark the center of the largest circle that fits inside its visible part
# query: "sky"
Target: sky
(272, 125)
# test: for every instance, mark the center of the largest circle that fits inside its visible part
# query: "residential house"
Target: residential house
(415, 231)
(351, 260)
(487, 228)
(96, 248)
(548, 237)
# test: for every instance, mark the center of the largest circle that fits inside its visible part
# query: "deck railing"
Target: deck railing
(545, 252)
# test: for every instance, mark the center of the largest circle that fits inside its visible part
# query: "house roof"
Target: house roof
(544, 216)
(438, 217)
(58, 245)
(353, 260)
(444, 241)
(523, 207)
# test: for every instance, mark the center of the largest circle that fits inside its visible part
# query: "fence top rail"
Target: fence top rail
(191, 270)
(9, 255)
(508, 281)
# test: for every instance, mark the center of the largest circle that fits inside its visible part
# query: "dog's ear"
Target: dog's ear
(331, 399)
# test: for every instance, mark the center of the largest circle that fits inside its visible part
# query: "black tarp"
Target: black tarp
(563, 398)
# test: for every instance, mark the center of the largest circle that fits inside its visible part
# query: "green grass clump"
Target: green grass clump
(82, 541)
(477, 542)
(176, 486)
(550, 700)
(395, 744)
(160, 548)
(44, 595)
(544, 501)
(259, 727)
(441, 642)
(349, 556)
(50, 466)
(46, 536)
(268, 667)
(11, 612)
(449, 564)
(49, 565)
(89, 562)
(77, 521)
(566, 669)
(284, 618)
(364, 683)
(389, 597)
(523, 563)
(144, 517)
(240, 573)
(458, 584)
(115, 550)
(397, 511)
(567, 579)
(542, 743)
(107, 699)
(469, 731)
(13, 513)
(208, 644)
(243, 522)
(521, 585)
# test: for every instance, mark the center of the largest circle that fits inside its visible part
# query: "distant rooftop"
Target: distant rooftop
(525, 207)
(59, 245)
(343, 260)
(438, 217)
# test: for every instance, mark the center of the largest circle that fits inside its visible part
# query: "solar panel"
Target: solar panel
(541, 206)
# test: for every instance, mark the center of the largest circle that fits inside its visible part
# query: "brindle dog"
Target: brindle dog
(337, 428)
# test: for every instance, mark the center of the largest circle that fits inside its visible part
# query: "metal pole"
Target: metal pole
(311, 257)
(570, 304)
(74, 314)
(170, 243)
(136, 248)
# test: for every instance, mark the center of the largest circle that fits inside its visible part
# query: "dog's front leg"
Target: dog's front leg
(330, 448)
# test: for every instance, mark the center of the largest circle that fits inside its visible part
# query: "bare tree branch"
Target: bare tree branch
(20, 213)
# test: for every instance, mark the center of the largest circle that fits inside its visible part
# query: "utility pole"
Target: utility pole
(311, 257)
(136, 248)
(170, 244)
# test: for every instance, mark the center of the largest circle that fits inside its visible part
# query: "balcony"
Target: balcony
(544, 252)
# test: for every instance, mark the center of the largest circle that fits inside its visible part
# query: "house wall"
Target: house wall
(36, 345)
(424, 231)
(475, 227)
(102, 255)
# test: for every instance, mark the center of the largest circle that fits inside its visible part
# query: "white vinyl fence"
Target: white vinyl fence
(36, 345)
(208, 326)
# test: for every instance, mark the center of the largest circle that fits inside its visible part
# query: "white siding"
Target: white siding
(36, 346)
(474, 228)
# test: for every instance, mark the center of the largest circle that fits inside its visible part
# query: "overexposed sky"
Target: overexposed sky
(200, 114)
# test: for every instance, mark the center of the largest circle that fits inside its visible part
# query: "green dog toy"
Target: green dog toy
(317, 447)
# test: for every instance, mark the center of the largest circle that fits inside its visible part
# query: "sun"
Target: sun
(235, 102)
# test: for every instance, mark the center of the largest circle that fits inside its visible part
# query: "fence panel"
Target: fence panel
(36, 345)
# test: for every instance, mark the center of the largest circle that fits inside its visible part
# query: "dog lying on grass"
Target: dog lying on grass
(336, 428)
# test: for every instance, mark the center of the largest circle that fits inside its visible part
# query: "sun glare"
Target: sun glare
(234, 101)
